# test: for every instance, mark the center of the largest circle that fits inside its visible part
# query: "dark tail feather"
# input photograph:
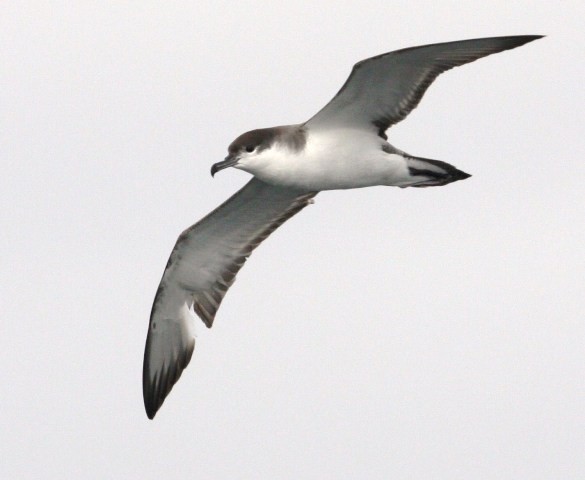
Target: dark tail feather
(433, 173)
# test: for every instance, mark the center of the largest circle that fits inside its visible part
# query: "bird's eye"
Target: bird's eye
(250, 148)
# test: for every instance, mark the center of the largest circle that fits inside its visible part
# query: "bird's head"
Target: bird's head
(249, 150)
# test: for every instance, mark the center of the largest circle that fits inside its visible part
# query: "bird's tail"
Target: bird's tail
(432, 173)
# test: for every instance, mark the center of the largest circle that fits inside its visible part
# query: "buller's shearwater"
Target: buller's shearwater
(343, 146)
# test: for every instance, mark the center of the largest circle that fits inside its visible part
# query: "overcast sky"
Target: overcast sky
(382, 333)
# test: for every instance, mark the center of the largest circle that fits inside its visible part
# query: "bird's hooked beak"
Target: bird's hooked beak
(229, 161)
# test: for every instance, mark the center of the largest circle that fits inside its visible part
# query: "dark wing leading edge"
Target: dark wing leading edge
(383, 90)
(201, 268)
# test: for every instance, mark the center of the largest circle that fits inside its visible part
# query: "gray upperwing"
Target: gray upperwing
(383, 90)
(201, 268)
(208, 255)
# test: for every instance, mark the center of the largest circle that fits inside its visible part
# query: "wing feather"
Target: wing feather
(383, 90)
(201, 268)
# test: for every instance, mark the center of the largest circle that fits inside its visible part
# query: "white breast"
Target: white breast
(332, 159)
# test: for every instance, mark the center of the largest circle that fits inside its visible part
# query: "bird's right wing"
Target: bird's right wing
(201, 268)
(383, 90)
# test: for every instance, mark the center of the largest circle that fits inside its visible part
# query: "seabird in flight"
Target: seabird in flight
(343, 146)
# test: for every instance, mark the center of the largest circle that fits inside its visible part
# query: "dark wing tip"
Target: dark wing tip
(529, 38)
(156, 390)
(519, 40)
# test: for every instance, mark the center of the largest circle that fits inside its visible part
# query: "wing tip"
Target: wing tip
(155, 390)
(519, 40)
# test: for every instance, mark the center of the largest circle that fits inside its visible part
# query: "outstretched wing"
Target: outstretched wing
(201, 268)
(383, 90)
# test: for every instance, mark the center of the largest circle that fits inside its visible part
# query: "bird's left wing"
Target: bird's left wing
(383, 90)
(201, 268)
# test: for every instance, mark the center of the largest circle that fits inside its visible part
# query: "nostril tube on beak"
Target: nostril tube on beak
(229, 161)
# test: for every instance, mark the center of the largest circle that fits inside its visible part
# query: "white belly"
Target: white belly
(345, 159)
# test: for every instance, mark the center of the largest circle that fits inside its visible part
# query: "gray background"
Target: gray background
(382, 333)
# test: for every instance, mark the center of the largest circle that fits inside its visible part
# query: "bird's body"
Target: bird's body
(343, 146)
(330, 160)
